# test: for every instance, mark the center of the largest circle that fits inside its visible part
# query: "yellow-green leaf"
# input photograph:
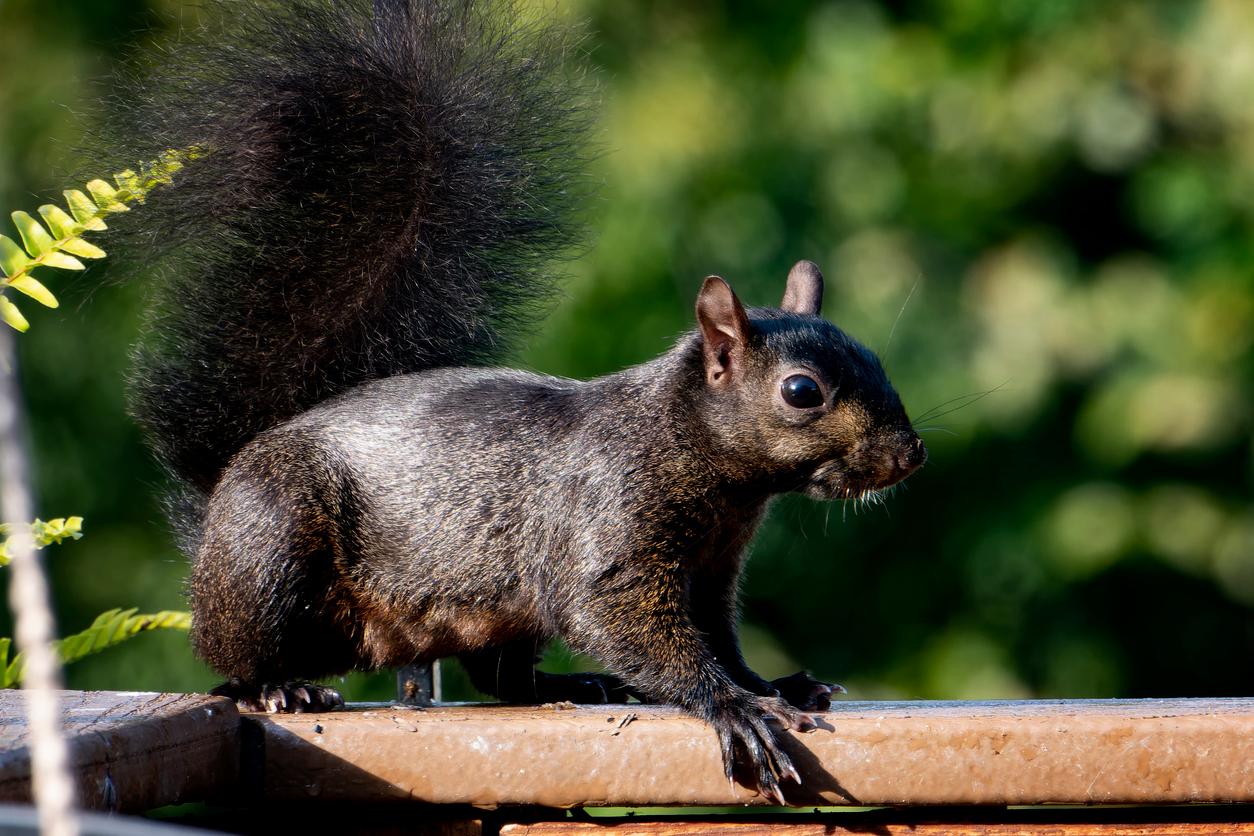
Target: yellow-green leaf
(61, 224)
(11, 315)
(43, 533)
(34, 236)
(13, 259)
(101, 191)
(35, 290)
(128, 181)
(63, 261)
(106, 196)
(84, 210)
(109, 628)
(82, 248)
(57, 530)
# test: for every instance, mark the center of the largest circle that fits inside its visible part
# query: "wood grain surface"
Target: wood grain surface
(130, 751)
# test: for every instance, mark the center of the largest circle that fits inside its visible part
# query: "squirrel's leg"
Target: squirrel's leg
(509, 673)
(644, 631)
(267, 600)
(715, 611)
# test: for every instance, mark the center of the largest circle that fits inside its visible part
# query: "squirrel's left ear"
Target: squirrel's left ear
(804, 293)
(724, 331)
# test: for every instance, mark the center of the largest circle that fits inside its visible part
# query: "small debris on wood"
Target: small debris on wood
(405, 724)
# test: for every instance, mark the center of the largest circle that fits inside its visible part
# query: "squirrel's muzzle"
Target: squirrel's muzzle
(911, 457)
(907, 456)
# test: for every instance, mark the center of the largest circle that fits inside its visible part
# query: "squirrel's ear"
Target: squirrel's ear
(724, 330)
(804, 293)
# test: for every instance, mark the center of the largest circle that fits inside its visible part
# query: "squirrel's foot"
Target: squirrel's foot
(803, 691)
(290, 697)
(581, 688)
(748, 742)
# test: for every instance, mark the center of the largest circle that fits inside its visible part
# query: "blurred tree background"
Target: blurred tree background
(1048, 203)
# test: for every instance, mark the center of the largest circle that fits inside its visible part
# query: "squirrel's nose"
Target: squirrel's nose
(910, 456)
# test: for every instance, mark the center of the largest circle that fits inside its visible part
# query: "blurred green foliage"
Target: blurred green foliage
(1047, 202)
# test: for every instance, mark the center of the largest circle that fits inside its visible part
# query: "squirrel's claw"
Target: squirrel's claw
(745, 734)
(274, 699)
(786, 715)
(291, 697)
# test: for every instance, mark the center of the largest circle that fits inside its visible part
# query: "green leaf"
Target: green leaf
(128, 181)
(13, 259)
(57, 530)
(82, 248)
(34, 236)
(62, 261)
(84, 210)
(35, 290)
(12, 675)
(63, 246)
(44, 533)
(106, 196)
(109, 629)
(61, 224)
(12, 316)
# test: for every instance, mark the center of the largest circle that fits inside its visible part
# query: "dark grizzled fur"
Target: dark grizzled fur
(367, 229)
(378, 199)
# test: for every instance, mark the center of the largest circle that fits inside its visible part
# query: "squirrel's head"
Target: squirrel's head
(799, 402)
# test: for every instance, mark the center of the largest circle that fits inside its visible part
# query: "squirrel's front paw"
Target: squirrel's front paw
(748, 743)
(803, 691)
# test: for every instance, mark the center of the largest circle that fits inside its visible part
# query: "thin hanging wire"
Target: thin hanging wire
(34, 628)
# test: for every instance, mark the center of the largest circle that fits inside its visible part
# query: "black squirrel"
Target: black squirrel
(367, 227)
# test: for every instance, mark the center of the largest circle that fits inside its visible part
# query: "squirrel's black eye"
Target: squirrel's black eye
(801, 392)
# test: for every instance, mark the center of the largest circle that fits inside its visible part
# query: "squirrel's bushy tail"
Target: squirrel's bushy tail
(379, 190)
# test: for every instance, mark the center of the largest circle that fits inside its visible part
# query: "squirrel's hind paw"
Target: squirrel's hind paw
(290, 697)
(581, 688)
(803, 691)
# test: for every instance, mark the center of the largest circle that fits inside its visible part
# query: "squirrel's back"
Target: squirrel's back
(378, 191)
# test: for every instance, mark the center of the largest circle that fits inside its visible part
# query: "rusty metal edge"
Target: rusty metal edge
(1070, 752)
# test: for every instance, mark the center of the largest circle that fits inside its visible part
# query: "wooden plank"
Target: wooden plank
(864, 753)
(831, 827)
(131, 751)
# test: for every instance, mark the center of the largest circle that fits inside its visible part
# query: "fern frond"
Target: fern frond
(109, 629)
(58, 242)
(43, 533)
